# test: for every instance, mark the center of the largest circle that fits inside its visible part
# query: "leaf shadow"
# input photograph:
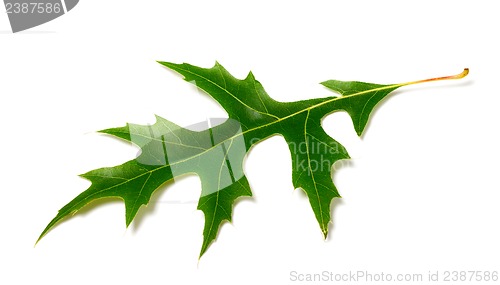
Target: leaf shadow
(338, 202)
(151, 207)
(98, 203)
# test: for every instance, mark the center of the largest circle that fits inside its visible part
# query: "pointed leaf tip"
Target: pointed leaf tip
(164, 63)
(170, 65)
(250, 76)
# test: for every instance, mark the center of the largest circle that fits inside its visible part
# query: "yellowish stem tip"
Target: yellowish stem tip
(461, 75)
(457, 76)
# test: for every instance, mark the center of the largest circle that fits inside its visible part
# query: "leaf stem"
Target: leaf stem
(456, 76)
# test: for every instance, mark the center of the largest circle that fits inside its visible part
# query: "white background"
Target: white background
(420, 194)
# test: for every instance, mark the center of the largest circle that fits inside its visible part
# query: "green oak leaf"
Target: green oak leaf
(216, 154)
